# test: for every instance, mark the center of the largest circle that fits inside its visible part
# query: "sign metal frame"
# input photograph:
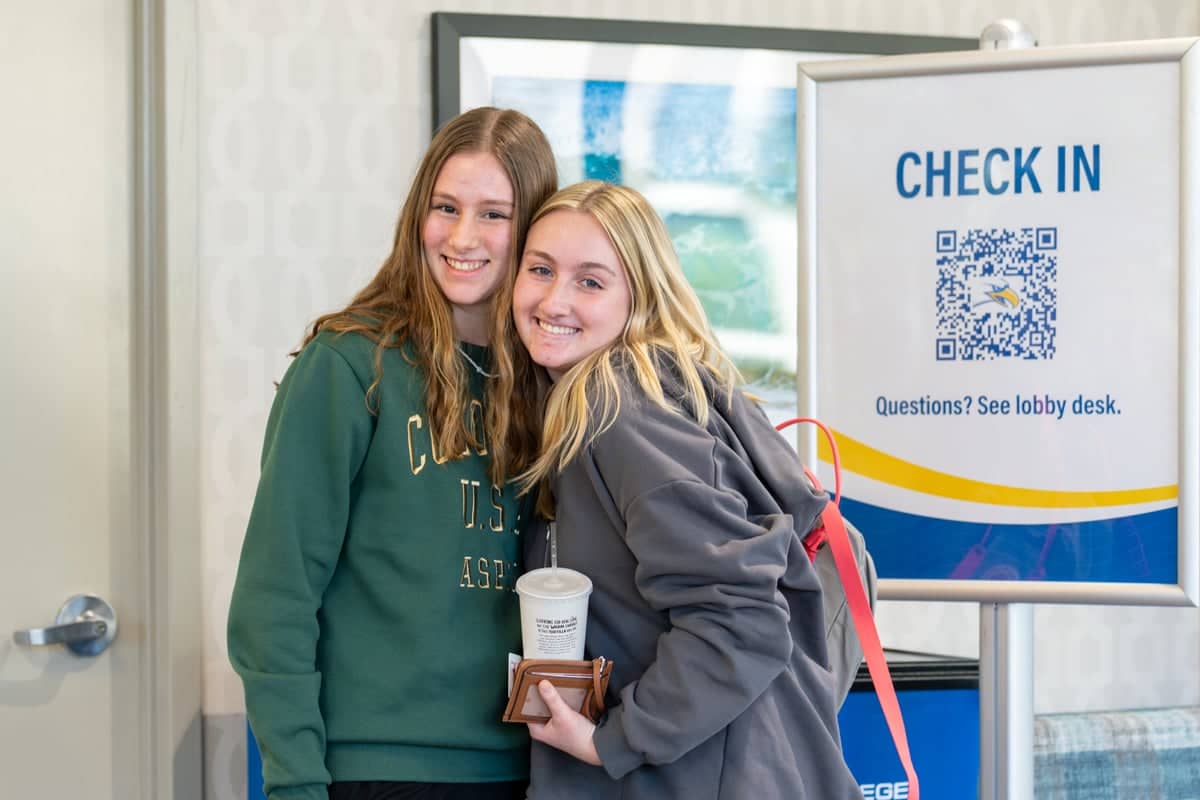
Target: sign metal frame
(812, 80)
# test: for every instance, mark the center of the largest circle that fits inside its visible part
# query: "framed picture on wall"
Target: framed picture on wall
(699, 118)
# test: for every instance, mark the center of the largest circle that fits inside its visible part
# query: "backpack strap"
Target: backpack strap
(860, 608)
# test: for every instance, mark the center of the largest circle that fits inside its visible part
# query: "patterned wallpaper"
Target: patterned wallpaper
(312, 116)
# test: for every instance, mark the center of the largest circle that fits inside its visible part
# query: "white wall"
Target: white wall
(312, 116)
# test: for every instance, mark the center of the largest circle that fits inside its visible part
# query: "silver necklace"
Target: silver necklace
(478, 368)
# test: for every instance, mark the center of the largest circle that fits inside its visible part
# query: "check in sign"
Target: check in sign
(999, 300)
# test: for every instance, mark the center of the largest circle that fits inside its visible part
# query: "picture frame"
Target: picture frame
(701, 119)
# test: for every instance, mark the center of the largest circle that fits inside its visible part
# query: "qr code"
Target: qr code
(997, 294)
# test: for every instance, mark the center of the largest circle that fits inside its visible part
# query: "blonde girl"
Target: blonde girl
(674, 494)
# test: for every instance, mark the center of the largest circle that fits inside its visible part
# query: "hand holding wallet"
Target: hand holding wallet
(581, 684)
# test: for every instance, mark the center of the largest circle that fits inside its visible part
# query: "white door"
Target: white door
(68, 724)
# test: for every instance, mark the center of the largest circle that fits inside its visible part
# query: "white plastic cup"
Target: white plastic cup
(554, 605)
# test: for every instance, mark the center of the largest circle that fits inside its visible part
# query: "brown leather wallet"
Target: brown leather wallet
(581, 684)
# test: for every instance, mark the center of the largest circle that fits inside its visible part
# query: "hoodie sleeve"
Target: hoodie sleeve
(317, 436)
(708, 564)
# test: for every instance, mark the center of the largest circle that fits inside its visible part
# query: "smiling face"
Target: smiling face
(467, 236)
(571, 296)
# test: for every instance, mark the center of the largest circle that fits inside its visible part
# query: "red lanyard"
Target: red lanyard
(860, 608)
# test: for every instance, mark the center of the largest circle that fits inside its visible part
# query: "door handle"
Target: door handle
(70, 633)
(86, 624)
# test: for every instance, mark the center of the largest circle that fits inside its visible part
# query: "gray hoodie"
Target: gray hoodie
(708, 606)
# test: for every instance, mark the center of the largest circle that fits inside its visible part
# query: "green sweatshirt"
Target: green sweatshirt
(373, 608)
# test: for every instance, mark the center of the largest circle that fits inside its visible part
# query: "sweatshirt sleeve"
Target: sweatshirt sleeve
(317, 436)
(715, 571)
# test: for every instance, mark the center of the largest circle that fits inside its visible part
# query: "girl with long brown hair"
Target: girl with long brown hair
(372, 610)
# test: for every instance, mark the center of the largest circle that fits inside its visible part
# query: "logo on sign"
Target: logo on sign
(997, 294)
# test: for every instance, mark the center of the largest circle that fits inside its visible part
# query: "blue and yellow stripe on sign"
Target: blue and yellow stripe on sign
(1130, 548)
(867, 461)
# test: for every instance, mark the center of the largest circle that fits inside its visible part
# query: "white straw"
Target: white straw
(553, 549)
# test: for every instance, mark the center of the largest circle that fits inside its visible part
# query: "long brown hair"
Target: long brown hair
(402, 306)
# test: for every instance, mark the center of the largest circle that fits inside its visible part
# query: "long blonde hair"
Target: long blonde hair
(665, 319)
(403, 306)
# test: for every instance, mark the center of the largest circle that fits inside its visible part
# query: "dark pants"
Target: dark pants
(393, 790)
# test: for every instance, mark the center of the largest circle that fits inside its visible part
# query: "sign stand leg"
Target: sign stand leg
(1005, 701)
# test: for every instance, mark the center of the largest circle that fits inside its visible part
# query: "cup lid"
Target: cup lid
(552, 583)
